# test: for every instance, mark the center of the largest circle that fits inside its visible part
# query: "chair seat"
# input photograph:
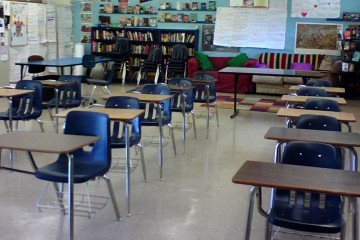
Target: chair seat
(84, 170)
(154, 122)
(188, 108)
(312, 219)
(20, 116)
(120, 142)
(99, 82)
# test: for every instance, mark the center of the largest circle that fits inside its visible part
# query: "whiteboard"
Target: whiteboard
(252, 27)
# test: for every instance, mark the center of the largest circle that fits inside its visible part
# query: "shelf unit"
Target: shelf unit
(351, 69)
(168, 16)
(141, 40)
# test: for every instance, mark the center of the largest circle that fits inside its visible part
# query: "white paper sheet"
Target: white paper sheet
(315, 8)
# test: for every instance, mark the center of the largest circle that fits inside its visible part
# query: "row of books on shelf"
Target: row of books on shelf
(133, 21)
(136, 62)
(140, 36)
(167, 50)
(189, 6)
(110, 8)
(141, 49)
(350, 46)
(352, 32)
(351, 16)
(168, 17)
(97, 47)
(178, 37)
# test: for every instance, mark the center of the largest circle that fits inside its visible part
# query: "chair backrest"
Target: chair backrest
(122, 45)
(70, 95)
(180, 52)
(155, 56)
(91, 124)
(322, 105)
(321, 122)
(199, 91)
(317, 122)
(309, 91)
(319, 83)
(126, 103)
(176, 102)
(152, 114)
(29, 105)
(35, 69)
(88, 62)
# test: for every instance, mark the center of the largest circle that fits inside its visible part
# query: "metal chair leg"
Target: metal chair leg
(172, 136)
(113, 199)
(193, 118)
(217, 114)
(41, 124)
(91, 99)
(142, 160)
(268, 231)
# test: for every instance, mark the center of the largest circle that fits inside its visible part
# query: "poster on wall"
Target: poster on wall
(208, 38)
(317, 38)
(18, 24)
(249, 3)
(315, 8)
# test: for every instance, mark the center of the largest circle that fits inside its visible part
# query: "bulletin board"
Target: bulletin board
(252, 27)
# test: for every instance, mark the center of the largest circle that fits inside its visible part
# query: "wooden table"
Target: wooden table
(344, 117)
(348, 140)
(266, 72)
(49, 143)
(149, 98)
(298, 178)
(335, 90)
(206, 83)
(58, 63)
(116, 114)
(302, 99)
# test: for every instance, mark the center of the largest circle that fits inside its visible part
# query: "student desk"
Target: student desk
(335, 90)
(348, 140)
(302, 99)
(9, 93)
(266, 72)
(58, 63)
(149, 98)
(116, 114)
(298, 178)
(49, 143)
(344, 117)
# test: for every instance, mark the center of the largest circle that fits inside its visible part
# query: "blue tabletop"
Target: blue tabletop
(61, 62)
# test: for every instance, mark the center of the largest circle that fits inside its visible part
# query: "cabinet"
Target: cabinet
(141, 40)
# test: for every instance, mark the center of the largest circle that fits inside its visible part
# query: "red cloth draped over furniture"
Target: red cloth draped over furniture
(225, 82)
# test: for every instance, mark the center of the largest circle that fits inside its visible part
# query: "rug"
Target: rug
(249, 103)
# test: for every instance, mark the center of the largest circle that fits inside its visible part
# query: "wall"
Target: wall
(346, 6)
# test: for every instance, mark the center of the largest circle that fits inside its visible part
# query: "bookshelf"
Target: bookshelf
(141, 40)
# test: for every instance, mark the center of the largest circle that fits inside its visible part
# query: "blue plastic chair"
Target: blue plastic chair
(88, 164)
(26, 107)
(309, 91)
(305, 211)
(200, 95)
(121, 56)
(322, 105)
(177, 64)
(151, 117)
(321, 122)
(153, 64)
(319, 83)
(118, 137)
(177, 105)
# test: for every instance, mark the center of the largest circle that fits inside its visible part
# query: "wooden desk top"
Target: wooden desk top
(272, 72)
(337, 90)
(173, 87)
(302, 99)
(114, 113)
(155, 98)
(12, 92)
(45, 142)
(346, 139)
(299, 178)
(295, 113)
(54, 83)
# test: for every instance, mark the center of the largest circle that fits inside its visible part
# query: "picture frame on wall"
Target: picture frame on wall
(317, 38)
